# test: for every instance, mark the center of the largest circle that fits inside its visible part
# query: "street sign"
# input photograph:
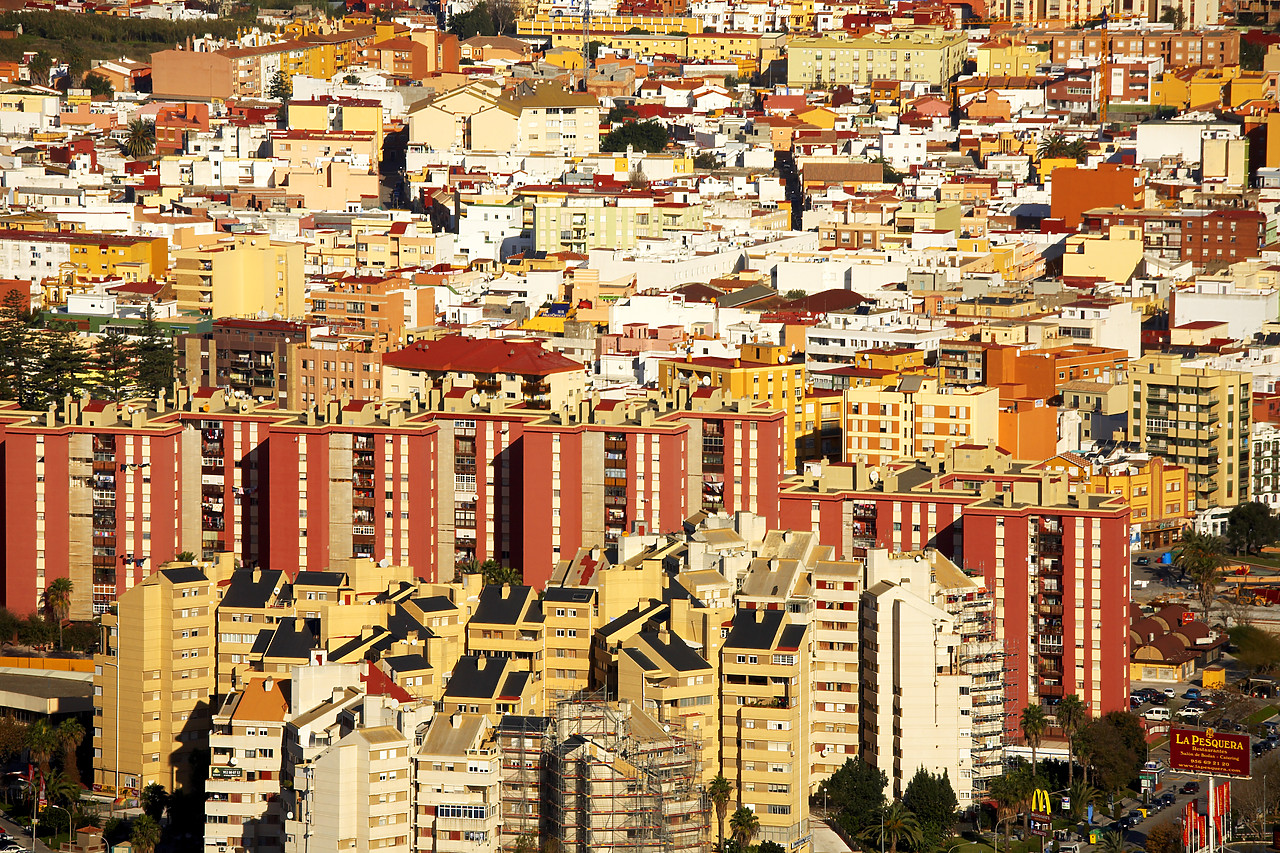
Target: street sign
(1210, 753)
(1041, 824)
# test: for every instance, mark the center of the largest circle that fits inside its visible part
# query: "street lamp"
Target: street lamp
(71, 829)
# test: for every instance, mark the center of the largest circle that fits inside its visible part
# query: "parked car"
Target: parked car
(1187, 713)
(1170, 692)
(1190, 788)
(1157, 714)
(1192, 693)
(1143, 561)
(1167, 799)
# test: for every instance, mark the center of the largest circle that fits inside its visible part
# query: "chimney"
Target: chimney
(506, 590)
(268, 684)
(481, 660)
(759, 613)
(455, 720)
(664, 635)
(257, 574)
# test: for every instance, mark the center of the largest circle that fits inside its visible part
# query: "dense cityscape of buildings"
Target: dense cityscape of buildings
(568, 410)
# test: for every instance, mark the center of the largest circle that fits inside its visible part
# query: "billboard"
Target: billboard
(1208, 752)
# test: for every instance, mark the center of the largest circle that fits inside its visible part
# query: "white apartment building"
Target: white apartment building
(1264, 461)
(916, 709)
(356, 795)
(242, 809)
(843, 335)
(1103, 323)
(458, 786)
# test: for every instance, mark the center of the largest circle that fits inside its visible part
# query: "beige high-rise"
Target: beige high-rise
(154, 681)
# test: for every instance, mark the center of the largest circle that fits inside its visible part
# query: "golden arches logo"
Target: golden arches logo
(1040, 801)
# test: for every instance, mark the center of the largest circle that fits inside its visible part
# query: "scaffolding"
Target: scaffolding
(524, 742)
(620, 781)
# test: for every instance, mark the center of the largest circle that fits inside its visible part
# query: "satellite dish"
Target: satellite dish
(232, 761)
(384, 562)
(475, 399)
(262, 315)
(874, 476)
(288, 815)
(706, 380)
(782, 358)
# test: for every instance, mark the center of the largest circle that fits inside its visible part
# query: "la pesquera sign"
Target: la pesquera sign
(1209, 753)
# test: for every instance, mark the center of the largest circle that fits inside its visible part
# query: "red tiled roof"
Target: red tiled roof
(480, 355)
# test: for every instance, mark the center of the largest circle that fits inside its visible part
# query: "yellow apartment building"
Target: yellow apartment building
(659, 671)
(570, 617)
(130, 258)
(250, 602)
(491, 685)
(1157, 492)
(916, 417)
(1005, 58)
(240, 276)
(765, 694)
(926, 54)
(154, 681)
(761, 372)
(1198, 418)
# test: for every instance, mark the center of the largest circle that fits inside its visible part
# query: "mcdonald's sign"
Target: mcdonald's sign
(1040, 819)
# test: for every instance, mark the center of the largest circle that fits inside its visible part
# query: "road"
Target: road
(22, 835)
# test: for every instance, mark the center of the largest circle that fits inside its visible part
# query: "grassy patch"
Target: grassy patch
(1259, 715)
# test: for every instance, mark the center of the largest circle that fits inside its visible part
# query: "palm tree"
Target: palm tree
(1077, 149)
(1034, 724)
(145, 834)
(1082, 794)
(897, 826)
(42, 741)
(57, 602)
(141, 140)
(1010, 792)
(1201, 559)
(70, 735)
(61, 788)
(744, 825)
(1112, 841)
(1071, 713)
(1053, 146)
(719, 790)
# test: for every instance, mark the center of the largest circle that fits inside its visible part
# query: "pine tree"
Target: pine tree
(62, 365)
(114, 359)
(156, 359)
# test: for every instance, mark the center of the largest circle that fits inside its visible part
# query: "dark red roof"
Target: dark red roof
(481, 355)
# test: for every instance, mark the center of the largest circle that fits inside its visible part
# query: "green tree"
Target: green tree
(897, 826)
(1034, 724)
(933, 801)
(638, 135)
(1116, 744)
(705, 160)
(1173, 15)
(62, 790)
(141, 139)
(1200, 560)
(41, 743)
(621, 113)
(156, 359)
(744, 825)
(1251, 527)
(492, 572)
(1112, 841)
(856, 792)
(1078, 150)
(154, 799)
(719, 791)
(1071, 714)
(57, 602)
(184, 557)
(1011, 792)
(144, 834)
(98, 85)
(115, 363)
(39, 67)
(62, 365)
(638, 31)
(1256, 648)
(593, 49)
(351, 80)
(280, 88)
(70, 736)
(13, 738)
(477, 21)
(1082, 796)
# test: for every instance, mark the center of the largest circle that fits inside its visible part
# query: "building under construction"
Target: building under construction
(619, 781)
(524, 743)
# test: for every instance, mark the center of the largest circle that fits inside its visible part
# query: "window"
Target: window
(467, 812)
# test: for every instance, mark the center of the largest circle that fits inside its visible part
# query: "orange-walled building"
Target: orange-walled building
(1076, 190)
(1027, 426)
(1042, 371)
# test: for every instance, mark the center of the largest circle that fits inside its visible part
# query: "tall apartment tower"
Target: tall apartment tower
(1198, 418)
(155, 679)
